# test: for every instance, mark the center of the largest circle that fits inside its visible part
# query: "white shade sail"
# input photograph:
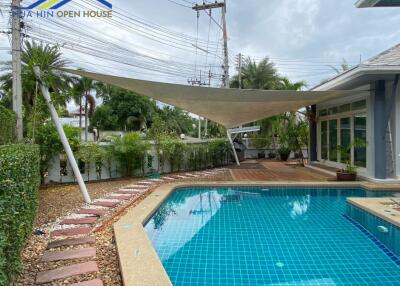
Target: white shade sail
(229, 107)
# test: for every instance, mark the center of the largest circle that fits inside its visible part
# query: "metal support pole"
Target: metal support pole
(199, 127)
(64, 140)
(16, 67)
(233, 147)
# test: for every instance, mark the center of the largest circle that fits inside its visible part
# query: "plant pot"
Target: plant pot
(284, 156)
(271, 155)
(346, 177)
(261, 155)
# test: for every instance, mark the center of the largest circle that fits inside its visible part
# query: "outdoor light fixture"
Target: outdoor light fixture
(377, 3)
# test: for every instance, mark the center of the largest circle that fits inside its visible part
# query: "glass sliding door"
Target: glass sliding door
(333, 140)
(360, 133)
(345, 139)
(324, 140)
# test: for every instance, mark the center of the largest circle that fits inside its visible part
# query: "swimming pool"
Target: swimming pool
(266, 236)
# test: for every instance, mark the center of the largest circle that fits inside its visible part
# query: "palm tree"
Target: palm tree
(344, 66)
(49, 60)
(81, 88)
(261, 75)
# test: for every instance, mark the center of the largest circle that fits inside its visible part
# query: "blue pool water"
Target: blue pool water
(266, 236)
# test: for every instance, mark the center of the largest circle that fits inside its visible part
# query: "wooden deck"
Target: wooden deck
(276, 171)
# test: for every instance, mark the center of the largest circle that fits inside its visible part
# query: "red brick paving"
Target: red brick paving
(71, 231)
(95, 282)
(105, 204)
(68, 254)
(67, 271)
(72, 241)
(122, 198)
(127, 192)
(96, 212)
(86, 220)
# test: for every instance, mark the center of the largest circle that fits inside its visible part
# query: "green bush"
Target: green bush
(7, 126)
(19, 182)
(130, 152)
(219, 152)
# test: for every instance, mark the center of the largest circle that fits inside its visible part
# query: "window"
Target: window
(333, 110)
(345, 108)
(324, 140)
(360, 133)
(345, 139)
(333, 142)
(323, 112)
(362, 104)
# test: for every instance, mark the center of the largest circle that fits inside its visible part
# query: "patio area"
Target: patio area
(267, 170)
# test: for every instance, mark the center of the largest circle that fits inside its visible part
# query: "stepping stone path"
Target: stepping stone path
(85, 220)
(68, 254)
(105, 204)
(121, 198)
(95, 282)
(78, 235)
(72, 241)
(66, 271)
(96, 212)
(71, 231)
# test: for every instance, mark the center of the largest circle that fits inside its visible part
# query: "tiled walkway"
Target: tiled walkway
(277, 171)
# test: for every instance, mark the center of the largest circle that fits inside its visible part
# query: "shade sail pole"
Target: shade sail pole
(233, 147)
(63, 137)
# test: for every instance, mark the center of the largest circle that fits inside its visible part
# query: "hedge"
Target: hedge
(7, 126)
(19, 183)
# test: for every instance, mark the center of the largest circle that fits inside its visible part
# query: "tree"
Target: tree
(81, 88)
(262, 75)
(133, 110)
(49, 59)
(104, 119)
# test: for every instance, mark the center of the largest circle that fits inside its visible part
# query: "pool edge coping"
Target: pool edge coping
(141, 265)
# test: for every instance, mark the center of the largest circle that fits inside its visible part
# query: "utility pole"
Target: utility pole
(239, 69)
(16, 67)
(217, 5)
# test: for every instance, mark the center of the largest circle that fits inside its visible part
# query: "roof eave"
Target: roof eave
(366, 3)
(354, 73)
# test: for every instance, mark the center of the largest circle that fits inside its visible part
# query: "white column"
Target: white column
(64, 140)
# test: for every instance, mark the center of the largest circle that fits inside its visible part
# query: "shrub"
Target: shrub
(91, 153)
(19, 182)
(7, 126)
(130, 152)
(50, 144)
(173, 150)
(219, 152)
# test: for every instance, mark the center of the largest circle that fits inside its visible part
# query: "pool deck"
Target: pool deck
(139, 262)
(383, 208)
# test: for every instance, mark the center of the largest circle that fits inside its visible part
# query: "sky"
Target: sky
(304, 38)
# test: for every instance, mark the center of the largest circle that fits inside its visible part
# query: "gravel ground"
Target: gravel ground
(56, 201)
(59, 201)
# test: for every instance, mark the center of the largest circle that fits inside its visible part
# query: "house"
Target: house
(371, 114)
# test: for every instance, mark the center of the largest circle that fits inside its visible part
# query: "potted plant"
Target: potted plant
(349, 173)
(284, 153)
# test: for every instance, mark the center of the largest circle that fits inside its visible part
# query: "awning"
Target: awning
(229, 107)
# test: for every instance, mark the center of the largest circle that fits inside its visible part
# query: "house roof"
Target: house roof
(377, 3)
(382, 66)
